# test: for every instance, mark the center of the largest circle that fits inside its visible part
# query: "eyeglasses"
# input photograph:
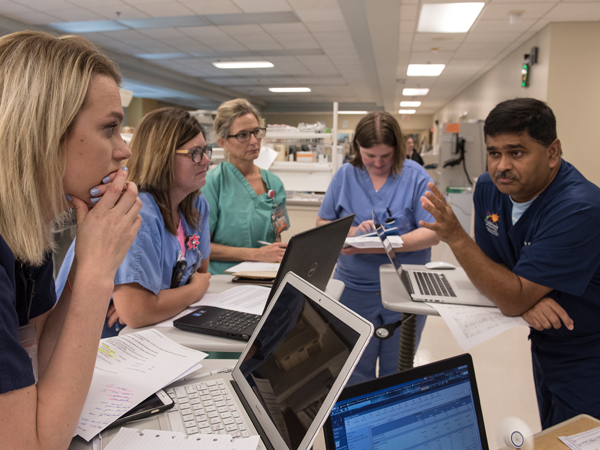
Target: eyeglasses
(197, 153)
(244, 136)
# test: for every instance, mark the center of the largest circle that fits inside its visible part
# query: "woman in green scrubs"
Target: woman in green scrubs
(247, 204)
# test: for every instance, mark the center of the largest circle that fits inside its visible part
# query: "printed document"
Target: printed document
(588, 440)
(473, 325)
(128, 370)
(247, 299)
(134, 439)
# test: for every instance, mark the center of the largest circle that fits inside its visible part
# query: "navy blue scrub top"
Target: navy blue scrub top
(16, 371)
(555, 243)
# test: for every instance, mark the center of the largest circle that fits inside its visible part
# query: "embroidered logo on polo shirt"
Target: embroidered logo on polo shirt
(491, 223)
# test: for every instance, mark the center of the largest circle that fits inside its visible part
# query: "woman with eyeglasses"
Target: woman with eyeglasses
(166, 268)
(247, 204)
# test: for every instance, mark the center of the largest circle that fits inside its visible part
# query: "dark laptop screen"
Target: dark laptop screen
(436, 411)
(295, 359)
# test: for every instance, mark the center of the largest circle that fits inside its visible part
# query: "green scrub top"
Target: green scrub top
(238, 217)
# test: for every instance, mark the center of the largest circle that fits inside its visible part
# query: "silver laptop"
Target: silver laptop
(286, 381)
(425, 285)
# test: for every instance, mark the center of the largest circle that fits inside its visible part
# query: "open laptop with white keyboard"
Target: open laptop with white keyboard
(286, 381)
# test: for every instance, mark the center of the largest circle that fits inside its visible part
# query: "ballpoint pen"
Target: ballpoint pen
(264, 242)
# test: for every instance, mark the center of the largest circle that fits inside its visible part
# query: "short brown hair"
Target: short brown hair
(44, 80)
(378, 128)
(152, 167)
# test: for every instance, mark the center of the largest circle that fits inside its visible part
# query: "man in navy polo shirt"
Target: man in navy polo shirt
(536, 252)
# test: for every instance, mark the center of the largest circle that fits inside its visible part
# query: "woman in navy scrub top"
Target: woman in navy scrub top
(380, 179)
(60, 115)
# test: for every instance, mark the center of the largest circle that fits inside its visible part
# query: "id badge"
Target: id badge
(28, 340)
(279, 220)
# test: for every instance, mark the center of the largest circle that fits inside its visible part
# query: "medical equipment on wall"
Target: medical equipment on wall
(462, 156)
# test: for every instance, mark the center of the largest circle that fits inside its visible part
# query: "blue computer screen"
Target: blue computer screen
(434, 412)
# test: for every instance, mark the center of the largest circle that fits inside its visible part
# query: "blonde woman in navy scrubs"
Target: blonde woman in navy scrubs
(379, 178)
(247, 204)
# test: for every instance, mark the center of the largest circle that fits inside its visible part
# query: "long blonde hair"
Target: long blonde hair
(44, 81)
(152, 162)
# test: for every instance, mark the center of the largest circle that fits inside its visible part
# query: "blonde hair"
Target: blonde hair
(44, 80)
(379, 128)
(152, 162)
(231, 110)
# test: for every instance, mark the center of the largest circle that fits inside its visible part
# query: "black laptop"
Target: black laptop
(311, 255)
(431, 406)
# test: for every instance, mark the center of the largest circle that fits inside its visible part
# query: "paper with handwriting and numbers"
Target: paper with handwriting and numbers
(129, 369)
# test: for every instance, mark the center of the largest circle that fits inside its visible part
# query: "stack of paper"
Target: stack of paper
(133, 439)
(128, 370)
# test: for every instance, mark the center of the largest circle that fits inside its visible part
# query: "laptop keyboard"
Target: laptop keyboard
(208, 408)
(434, 284)
(234, 321)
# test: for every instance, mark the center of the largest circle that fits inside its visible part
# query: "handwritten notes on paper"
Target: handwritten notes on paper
(472, 325)
(133, 439)
(129, 369)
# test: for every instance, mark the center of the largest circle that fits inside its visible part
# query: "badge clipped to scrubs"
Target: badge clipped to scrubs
(178, 271)
(278, 216)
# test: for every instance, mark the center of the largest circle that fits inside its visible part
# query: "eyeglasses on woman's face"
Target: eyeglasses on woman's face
(244, 136)
(197, 153)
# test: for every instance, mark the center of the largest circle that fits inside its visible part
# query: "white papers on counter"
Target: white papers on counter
(134, 439)
(588, 440)
(130, 368)
(473, 325)
(247, 299)
(372, 242)
(252, 266)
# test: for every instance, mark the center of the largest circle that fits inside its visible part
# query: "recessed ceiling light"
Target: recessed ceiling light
(407, 111)
(243, 65)
(424, 70)
(412, 92)
(353, 112)
(290, 89)
(87, 26)
(410, 104)
(448, 17)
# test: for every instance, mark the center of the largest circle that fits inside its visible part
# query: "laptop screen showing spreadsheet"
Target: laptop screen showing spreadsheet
(432, 406)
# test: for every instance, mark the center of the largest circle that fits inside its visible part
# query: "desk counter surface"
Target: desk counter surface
(207, 343)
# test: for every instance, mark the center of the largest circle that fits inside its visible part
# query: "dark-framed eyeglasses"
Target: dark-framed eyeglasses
(197, 153)
(244, 136)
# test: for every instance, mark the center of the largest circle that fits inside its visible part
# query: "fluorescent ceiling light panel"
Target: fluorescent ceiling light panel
(410, 92)
(88, 26)
(410, 104)
(243, 65)
(448, 17)
(353, 112)
(424, 70)
(407, 111)
(290, 89)
(166, 22)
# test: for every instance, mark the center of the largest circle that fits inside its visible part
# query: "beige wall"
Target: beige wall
(574, 93)
(502, 83)
(138, 108)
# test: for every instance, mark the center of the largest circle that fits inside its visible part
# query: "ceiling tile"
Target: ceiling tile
(249, 6)
(327, 25)
(76, 15)
(502, 25)
(206, 7)
(33, 17)
(503, 10)
(573, 11)
(164, 9)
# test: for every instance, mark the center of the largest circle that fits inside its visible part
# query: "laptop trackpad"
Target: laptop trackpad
(464, 285)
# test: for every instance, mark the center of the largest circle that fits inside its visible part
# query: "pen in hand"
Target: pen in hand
(264, 242)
